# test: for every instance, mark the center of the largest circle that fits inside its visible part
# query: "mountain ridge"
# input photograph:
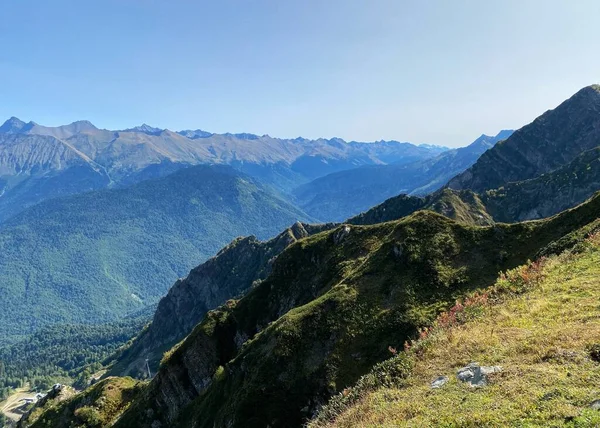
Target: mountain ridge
(124, 157)
(297, 320)
(234, 270)
(341, 195)
(550, 141)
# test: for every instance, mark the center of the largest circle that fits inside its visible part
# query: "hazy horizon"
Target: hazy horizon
(362, 71)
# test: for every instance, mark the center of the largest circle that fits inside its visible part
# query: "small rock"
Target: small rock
(341, 234)
(476, 375)
(595, 405)
(439, 382)
(397, 250)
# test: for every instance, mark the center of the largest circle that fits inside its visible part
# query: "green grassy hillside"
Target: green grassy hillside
(339, 303)
(98, 406)
(539, 322)
(330, 310)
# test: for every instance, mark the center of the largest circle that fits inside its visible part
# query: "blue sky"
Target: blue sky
(438, 72)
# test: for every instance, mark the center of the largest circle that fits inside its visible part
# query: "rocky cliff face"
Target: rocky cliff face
(552, 140)
(547, 194)
(237, 268)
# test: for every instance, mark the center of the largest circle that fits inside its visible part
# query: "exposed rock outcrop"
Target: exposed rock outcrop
(233, 271)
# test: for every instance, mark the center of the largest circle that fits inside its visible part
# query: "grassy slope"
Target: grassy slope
(463, 206)
(542, 339)
(328, 312)
(343, 303)
(97, 406)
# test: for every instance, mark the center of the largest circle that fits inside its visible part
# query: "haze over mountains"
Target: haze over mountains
(39, 162)
(367, 287)
(268, 330)
(338, 196)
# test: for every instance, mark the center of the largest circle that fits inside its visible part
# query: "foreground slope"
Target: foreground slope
(540, 324)
(329, 310)
(332, 307)
(96, 256)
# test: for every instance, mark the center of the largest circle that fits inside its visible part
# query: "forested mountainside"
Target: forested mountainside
(338, 196)
(332, 307)
(39, 162)
(237, 268)
(69, 353)
(93, 257)
(553, 140)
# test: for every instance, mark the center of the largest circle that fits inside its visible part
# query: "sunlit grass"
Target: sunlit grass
(541, 338)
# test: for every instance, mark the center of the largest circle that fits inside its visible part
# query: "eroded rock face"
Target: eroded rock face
(549, 142)
(234, 270)
(476, 375)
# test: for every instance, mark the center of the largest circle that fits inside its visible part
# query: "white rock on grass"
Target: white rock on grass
(439, 382)
(476, 375)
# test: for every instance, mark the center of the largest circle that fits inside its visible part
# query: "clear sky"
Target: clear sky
(438, 72)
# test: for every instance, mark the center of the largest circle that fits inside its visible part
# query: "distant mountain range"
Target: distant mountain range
(39, 162)
(321, 308)
(341, 195)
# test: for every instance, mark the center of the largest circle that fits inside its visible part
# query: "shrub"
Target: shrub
(594, 352)
(521, 278)
(387, 374)
(89, 417)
